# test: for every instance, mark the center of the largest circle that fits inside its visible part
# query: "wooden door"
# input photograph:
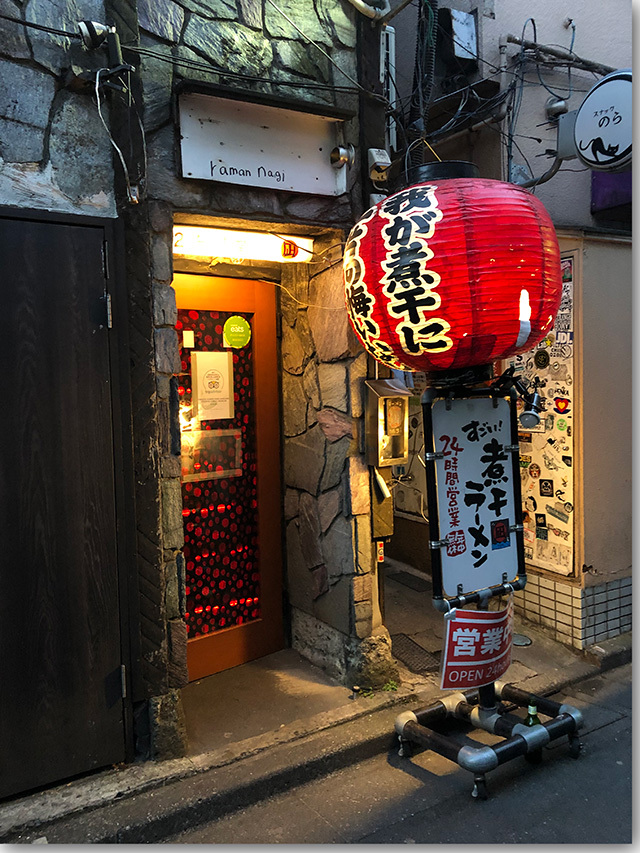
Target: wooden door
(61, 706)
(231, 475)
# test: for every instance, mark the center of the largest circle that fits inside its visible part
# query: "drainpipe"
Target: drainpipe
(561, 53)
(370, 11)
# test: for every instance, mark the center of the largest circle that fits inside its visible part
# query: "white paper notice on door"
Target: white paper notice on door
(212, 385)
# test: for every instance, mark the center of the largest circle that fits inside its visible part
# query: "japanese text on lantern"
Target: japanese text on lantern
(409, 287)
(360, 300)
(407, 283)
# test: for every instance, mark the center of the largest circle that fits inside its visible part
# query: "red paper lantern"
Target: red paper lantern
(452, 273)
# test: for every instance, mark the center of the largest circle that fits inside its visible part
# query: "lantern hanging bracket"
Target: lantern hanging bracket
(512, 448)
(432, 456)
(438, 543)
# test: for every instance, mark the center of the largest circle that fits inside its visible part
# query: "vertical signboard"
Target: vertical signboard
(546, 452)
(475, 492)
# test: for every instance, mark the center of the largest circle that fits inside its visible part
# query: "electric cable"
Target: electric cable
(41, 27)
(551, 92)
(324, 53)
(223, 72)
(131, 196)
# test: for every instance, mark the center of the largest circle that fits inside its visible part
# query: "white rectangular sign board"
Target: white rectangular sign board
(475, 489)
(255, 145)
(212, 385)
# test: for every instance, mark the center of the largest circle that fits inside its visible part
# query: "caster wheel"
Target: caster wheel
(480, 791)
(575, 747)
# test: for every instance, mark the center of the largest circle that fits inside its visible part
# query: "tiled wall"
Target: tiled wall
(577, 617)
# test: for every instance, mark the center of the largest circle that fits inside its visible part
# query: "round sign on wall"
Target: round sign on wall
(603, 131)
(236, 332)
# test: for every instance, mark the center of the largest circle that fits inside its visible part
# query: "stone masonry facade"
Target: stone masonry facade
(56, 155)
(330, 585)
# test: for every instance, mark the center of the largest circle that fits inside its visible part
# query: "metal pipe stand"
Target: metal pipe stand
(481, 708)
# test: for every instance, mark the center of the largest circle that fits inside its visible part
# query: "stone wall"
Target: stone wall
(329, 569)
(331, 573)
(54, 151)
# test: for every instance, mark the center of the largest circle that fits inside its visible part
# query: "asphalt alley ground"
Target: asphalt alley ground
(427, 799)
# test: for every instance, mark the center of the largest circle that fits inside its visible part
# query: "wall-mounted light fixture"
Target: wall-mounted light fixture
(238, 246)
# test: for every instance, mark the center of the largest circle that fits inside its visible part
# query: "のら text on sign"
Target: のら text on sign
(477, 647)
(476, 493)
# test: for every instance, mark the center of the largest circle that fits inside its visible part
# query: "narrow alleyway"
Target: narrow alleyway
(426, 799)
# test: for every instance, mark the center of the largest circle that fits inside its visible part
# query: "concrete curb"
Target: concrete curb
(173, 796)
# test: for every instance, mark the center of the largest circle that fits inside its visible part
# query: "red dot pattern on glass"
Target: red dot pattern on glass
(220, 516)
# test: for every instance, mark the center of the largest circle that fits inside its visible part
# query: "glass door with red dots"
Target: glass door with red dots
(229, 422)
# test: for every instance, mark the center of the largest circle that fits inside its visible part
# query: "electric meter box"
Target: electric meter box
(386, 422)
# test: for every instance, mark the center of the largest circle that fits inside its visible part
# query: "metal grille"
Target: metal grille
(413, 656)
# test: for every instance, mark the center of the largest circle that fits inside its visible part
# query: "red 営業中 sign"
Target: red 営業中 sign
(477, 648)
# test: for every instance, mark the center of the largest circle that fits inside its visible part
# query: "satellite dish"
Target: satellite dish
(603, 130)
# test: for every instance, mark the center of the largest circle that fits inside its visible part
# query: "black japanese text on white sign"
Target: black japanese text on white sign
(475, 491)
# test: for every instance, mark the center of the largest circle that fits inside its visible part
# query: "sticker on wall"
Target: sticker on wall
(546, 488)
(236, 332)
(556, 513)
(541, 358)
(547, 450)
(561, 405)
(568, 507)
(541, 519)
(542, 533)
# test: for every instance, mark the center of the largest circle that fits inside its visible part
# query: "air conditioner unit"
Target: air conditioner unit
(388, 80)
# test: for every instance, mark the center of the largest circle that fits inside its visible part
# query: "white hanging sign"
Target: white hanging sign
(475, 490)
(603, 131)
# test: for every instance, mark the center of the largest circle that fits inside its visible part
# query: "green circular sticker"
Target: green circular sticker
(561, 423)
(236, 332)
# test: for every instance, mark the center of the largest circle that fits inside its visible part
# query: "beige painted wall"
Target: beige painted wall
(602, 358)
(606, 408)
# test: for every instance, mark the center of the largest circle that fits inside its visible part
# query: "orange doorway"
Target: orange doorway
(229, 413)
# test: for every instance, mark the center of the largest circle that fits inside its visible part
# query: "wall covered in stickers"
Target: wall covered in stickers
(547, 452)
